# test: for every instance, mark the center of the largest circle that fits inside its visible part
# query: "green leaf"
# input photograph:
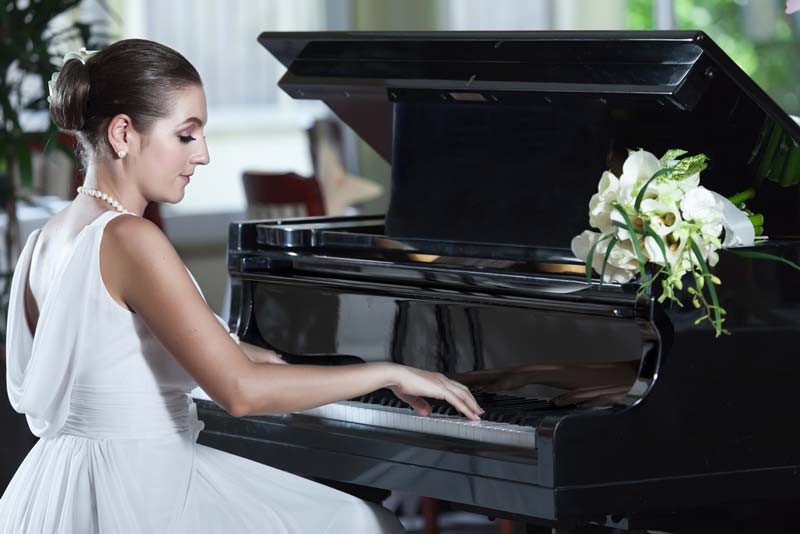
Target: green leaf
(640, 196)
(3, 157)
(24, 157)
(612, 242)
(689, 166)
(635, 241)
(790, 174)
(767, 154)
(764, 256)
(590, 258)
(660, 242)
(671, 155)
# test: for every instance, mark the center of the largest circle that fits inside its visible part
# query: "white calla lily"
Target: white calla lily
(639, 167)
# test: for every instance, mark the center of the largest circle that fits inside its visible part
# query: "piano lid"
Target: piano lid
(501, 137)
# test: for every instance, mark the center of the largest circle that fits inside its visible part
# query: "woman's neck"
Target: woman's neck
(111, 179)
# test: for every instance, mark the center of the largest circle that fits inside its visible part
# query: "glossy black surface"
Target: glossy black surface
(694, 422)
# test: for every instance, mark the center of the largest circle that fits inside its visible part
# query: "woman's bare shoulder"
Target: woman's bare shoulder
(131, 232)
(137, 260)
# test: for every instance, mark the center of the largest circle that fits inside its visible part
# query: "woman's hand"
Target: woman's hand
(411, 384)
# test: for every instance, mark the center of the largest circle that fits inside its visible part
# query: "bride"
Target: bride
(108, 332)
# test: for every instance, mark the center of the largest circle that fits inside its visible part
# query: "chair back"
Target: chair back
(281, 196)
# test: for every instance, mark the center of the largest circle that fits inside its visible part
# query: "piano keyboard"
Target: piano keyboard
(453, 426)
(508, 420)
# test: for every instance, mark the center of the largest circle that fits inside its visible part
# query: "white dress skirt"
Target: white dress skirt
(118, 451)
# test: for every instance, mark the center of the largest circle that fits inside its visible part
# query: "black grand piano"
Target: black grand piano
(604, 407)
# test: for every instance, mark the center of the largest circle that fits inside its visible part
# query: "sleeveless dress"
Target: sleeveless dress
(118, 451)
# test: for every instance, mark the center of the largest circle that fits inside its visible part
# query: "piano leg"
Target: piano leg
(505, 526)
(430, 514)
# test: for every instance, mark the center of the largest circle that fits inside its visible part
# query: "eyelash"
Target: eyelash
(186, 138)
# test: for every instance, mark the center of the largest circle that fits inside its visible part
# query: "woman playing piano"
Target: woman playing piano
(108, 331)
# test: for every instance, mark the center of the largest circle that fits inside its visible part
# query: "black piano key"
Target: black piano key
(500, 408)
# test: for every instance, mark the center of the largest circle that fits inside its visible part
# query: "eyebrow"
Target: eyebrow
(192, 119)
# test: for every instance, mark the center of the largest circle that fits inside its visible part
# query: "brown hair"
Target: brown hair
(134, 76)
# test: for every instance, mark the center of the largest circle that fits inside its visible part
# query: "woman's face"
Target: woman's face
(174, 147)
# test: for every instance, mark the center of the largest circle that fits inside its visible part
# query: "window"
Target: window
(252, 123)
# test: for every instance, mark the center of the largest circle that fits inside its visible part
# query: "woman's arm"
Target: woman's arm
(260, 354)
(141, 268)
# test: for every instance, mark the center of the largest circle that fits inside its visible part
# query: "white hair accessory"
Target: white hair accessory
(81, 55)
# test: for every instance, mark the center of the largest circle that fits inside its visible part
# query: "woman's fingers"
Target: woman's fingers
(463, 393)
(419, 404)
(471, 402)
(461, 406)
(275, 358)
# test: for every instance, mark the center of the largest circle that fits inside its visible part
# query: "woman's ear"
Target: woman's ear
(120, 133)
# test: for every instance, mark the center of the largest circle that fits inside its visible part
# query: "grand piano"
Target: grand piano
(604, 407)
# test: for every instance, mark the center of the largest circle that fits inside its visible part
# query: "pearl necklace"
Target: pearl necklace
(105, 197)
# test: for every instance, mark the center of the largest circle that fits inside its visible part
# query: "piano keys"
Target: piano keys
(604, 406)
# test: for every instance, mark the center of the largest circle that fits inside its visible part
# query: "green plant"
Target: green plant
(765, 58)
(31, 50)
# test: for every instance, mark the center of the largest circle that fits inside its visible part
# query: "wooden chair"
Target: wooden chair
(281, 196)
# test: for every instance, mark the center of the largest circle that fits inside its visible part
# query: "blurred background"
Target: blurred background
(254, 130)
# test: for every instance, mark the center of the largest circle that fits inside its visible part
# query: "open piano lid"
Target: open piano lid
(501, 137)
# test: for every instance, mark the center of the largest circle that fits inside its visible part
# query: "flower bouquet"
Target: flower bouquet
(657, 213)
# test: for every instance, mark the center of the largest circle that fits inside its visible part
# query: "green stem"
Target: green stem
(712, 291)
(743, 196)
(757, 219)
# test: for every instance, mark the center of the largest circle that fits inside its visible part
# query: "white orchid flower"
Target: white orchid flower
(688, 183)
(669, 193)
(701, 206)
(713, 229)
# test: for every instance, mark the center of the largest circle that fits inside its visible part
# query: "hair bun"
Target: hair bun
(70, 96)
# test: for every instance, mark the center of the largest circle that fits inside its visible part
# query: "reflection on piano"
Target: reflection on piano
(603, 406)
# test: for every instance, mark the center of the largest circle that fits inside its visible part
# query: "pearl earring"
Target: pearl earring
(121, 154)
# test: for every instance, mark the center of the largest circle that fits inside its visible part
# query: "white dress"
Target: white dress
(118, 451)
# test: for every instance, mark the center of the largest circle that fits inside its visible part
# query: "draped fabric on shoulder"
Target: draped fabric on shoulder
(39, 378)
